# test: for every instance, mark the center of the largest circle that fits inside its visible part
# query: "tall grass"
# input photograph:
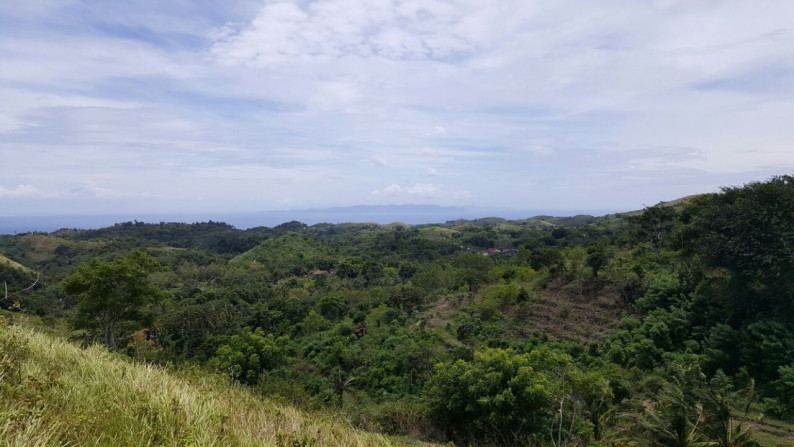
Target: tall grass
(53, 393)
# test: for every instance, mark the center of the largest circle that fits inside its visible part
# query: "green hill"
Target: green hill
(677, 204)
(53, 393)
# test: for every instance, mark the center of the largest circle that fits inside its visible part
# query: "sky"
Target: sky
(146, 106)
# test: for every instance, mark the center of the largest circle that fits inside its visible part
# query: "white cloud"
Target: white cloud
(20, 191)
(81, 190)
(419, 189)
(102, 192)
(285, 31)
(428, 190)
(21, 105)
(10, 124)
(539, 149)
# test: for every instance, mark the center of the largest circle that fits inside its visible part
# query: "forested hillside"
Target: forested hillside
(673, 326)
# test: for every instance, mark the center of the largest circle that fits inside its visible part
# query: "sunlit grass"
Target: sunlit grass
(53, 393)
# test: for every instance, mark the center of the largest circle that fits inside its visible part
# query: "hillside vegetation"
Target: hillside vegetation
(8, 263)
(670, 326)
(53, 393)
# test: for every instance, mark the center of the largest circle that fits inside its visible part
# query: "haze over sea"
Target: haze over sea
(408, 214)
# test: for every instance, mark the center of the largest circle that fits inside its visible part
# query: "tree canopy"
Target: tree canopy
(112, 292)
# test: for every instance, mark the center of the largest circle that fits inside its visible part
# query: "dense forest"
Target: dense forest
(669, 326)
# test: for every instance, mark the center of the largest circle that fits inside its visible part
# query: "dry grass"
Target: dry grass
(53, 393)
(561, 312)
(43, 247)
(14, 264)
(565, 314)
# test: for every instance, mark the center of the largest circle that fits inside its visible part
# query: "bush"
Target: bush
(407, 417)
(496, 397)
(663, 292)
(784, 387)
(243, 357)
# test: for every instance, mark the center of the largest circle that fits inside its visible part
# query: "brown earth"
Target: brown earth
(561, 313)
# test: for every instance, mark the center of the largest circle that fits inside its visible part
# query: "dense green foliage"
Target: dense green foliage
(651, 328)
(112, 292)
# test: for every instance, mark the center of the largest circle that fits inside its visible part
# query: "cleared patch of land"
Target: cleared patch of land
(770, 433)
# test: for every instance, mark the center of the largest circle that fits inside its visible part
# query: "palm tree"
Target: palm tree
(724, 430)
(671, 415)
(675, 419)
(682, 409)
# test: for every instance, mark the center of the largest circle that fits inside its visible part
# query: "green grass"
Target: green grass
(771, 440)
(53, 393)
(769, 432)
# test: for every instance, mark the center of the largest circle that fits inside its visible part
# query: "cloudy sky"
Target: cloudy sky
(148, 106)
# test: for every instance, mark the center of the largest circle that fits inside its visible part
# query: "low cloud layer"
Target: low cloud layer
(20, 191)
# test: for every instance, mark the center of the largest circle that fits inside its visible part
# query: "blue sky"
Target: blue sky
(234, 106)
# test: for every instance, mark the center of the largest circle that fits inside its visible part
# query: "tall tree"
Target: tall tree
(750, 232)
(112, 292)
(655, 224)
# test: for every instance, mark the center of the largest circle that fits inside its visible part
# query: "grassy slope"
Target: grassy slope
(64, 395)
(14, 264)
(771, 433)
(677, 204)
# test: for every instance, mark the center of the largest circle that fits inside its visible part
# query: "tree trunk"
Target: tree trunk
(109, 333)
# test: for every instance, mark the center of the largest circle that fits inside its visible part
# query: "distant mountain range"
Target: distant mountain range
(380, 209)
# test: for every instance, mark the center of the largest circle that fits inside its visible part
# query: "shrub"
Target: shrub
(497, 397)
